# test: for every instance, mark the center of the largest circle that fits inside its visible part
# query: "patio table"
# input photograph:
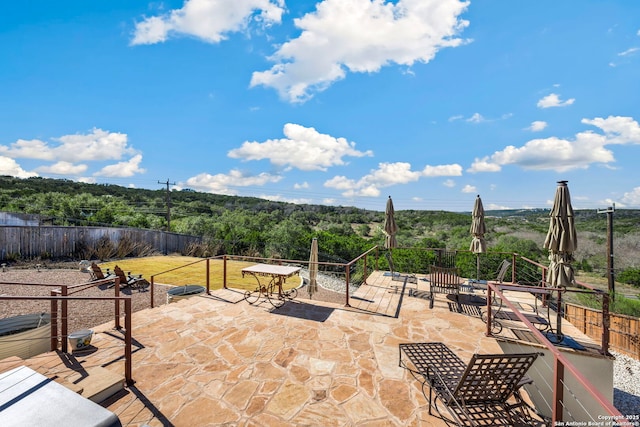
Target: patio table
(271, 290)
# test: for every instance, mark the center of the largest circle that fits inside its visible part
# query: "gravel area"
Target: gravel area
(330, 289)
(82, 314)
(626, 382)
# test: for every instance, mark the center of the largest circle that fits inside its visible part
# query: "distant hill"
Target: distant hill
(241, 225)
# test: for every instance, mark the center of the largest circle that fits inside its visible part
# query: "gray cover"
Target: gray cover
(28, 398)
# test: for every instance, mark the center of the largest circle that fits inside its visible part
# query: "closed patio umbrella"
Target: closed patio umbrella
(390, 226)
(478, 229)
(313, 268)
(561, 241)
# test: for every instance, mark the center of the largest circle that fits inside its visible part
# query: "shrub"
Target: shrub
(621, 304)
(630, 276)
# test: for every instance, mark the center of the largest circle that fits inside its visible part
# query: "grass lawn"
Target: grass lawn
(182, 270)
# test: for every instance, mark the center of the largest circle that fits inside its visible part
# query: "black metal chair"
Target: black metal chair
(486, 391)
(444, 280)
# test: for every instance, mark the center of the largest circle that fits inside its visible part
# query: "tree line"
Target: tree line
(257, 227)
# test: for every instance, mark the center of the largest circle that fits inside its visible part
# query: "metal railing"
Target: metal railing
(561, 364)
(336, 268)
(64, 294)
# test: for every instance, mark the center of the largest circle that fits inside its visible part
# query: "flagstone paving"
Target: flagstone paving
(217, 360)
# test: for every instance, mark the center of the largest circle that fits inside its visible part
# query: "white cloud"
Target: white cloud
(123, 169)
(479, 118)
(63, 168)
(553, 100)
(70, 154)
(495, 207)
(484, 165)
(618, 130)
(208, 20)
(469, 189)
(632, 198)
(224, 183)
(303, 148)
(537, 126)
(449, 183)
(32, 149)
(442, 170)
(10, 167)
(279, 198)
(629, 51)
(386, 175)
(476, 118)
(561, 154)
(302, 186)
(360, 36)
(98, 145)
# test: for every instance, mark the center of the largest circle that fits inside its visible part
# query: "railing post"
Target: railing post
(117, 304)
(65, 326)
(513, 268)
(128, 354)
(346, 292)
(54, 322)
(606, 323)
(364, 271)
(152, 291)
(489, 320)
(558, 392)
(224, 272)
(207, 280)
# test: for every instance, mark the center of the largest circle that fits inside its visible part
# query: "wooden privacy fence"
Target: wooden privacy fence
(59, 241)
(623, 332)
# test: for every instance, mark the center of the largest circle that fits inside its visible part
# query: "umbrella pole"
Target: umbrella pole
(477, 266)
(559, 315)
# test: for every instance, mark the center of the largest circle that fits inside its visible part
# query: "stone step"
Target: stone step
(95, 383)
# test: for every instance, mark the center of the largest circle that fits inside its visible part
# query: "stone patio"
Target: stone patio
(217, 360)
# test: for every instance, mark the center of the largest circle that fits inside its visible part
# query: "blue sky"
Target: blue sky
(338, 102)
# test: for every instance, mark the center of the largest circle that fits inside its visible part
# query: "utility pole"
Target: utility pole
(610, 274)
(168, 203)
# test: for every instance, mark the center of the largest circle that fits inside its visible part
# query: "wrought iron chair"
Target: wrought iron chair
(486, 391)
(444, 280)
(502, 271)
